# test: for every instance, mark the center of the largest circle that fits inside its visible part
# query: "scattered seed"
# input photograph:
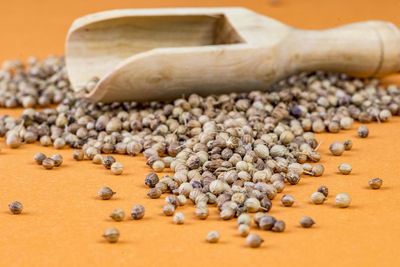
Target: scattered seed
(48, 163)
(306, 222)
(254, 240)
(318, 198)
(137, 212)
(336, 148)
(111, 235)
(324, 190)
(343, 200)
(243, 230)
(117, 215)
(213, 237)
(39, 157)
(117, 168)
(78, 155)
(97, 159)
(345, 168)
(15, 207)
(58, 160)
(279, 226)
(106, 193)
(348, 144)
(375, 183)
(363, 131)
(287, 200)
(179, 218)
(108, 161)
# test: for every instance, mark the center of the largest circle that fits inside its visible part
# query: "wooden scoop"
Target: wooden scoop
(160, 54)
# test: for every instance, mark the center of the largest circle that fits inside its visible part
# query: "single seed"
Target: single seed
(213, 237)
(343, 200)
(266, 222)
(287, 200)
(59, 143)
(117, 168)
(318, 198)
(117, 215)
(345, 168)
(154, 193)
(257, 217)
(108, 161)
(279, 226)
(39, 157)
(318, 170)
(324, 190)
(48, 163)
(348, 144)
(363, 131)
(336, 148)
(306, 222)
(137, 212)
(158, 166)
(151, 180)
(13, 140)
(244, 230)
(375, 183)
(202, 213)
(244, 218)
(78, 155)
(111, 235)
(15, 207)
(168, 209)
(105, 193)
(181, 199)
(227, 213)
(179, 218)
(97, 159)
(58, 160)
(254, 240)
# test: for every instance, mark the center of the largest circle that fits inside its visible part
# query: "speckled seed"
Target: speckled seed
(58, 160)
(348, 144)
(151, 180)
(213, 237)
(202, 213)
(306, 222)
(279, 226)
(318, 170)
(97, 159)
(336, 148)
(117, 215)
(108, 161)
(181, 199)
(266, 222)
(168, 209)
(15, 207)
(287, 200)
(48, 163)
(345, 168)
(343, 200)
(39, 157)
(13, 140)
(243, 230)
(105, 193)
(78, 155)
(254, 240)
(318, 198)
(111, 235)
(324, 190)
(375, 183)
(137, 212)
(179, 218)
(117, 168)
(154, 193)
(363, 131)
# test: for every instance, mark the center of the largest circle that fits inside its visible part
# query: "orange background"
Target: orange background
(63, 221)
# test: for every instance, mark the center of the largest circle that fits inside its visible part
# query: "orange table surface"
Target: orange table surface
(63, 220)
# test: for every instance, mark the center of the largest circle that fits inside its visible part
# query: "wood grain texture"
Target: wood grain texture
(156, 54)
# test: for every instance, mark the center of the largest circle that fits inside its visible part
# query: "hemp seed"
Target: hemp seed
(375, 183)
(137, 212)
(111, 235)
(15, 207)
(105, 193)
(254, 240)
(306, 222)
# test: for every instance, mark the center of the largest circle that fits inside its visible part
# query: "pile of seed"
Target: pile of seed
(235, 150)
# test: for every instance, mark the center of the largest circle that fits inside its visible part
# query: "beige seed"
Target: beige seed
(345, 168)
(213, 237)
(254, 240)
(343, 200)
(117, 168)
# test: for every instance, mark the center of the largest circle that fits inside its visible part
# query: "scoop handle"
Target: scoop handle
(363, 49)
